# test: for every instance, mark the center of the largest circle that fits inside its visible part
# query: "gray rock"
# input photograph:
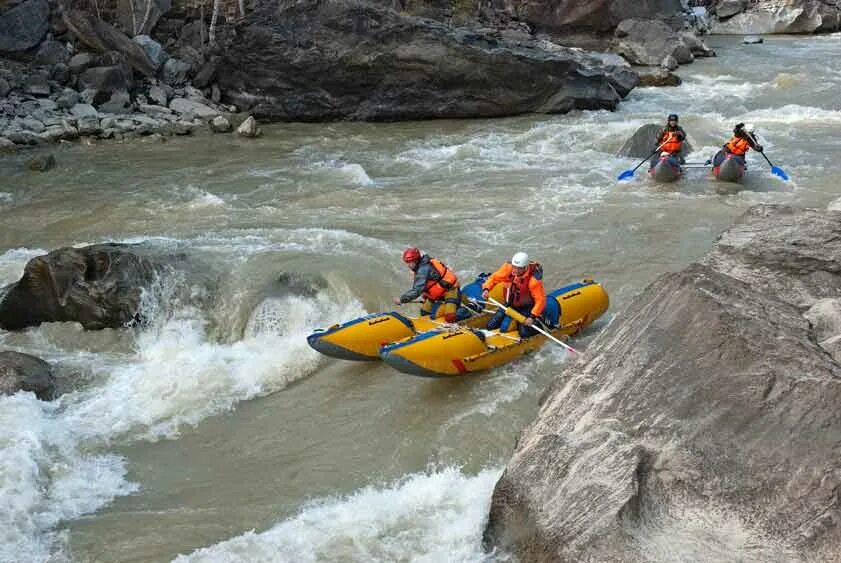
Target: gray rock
(24, 137)
(68, 98)
(793, 253)
(182, 106)
(104, 81)
(5, 88)
(648, 42)
(37, 85)
(108, 123)
(88, 96)
(80, 62)
(220, 125)
(431, 70)
(215, 94)
(103, 38)
(752, 40)
(728, 8)
(205, 75)
(60, 74)
(580, 15)
(175, 72)
(669, 63)
(87, 118)
(249, 128)
(773, 16)
(22, 372)
(98, 286)
(23, 26)
(32, 124)
(151, 109)
(153, 50)
(51, 53)
(825, 317)
(643, 142)
(159, 94)
(659, 77)
(703, 408)
(7, 145)
(697, 47)
(120, 102)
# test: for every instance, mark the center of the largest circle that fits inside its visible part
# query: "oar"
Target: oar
(776, 170)
(630, 173)
(517, 316)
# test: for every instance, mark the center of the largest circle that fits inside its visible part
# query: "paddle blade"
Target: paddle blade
(625, 175)
(777, 171)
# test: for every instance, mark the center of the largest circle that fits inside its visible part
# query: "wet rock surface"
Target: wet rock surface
(97, 286)
(360, 61)
(704, 423)
(22, 372)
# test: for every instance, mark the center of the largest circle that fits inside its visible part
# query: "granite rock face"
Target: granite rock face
(344, 59)
(703, 424)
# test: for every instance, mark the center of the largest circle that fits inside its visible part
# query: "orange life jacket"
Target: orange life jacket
(438, 285)
(738, 146)
(672, 144)
(523, 291)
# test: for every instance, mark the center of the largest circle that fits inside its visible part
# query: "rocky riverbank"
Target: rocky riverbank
(123, 70)
(704, 423)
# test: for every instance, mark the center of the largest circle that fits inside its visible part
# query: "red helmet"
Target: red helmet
(411, 255)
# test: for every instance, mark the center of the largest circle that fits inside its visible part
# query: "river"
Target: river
(216, 434)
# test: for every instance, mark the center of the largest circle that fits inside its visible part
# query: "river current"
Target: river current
(216, 434)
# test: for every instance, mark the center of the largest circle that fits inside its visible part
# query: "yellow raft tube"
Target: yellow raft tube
(465, 350)
(362, 338)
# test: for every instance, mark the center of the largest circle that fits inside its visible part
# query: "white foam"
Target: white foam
(13, 261)
(176, 377)
(46, 476)
(356, 174)
(427, 517)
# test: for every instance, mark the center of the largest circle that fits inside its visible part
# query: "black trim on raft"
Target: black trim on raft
(334, 351)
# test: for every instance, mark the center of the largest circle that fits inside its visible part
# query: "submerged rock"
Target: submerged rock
(353, 60)
(22, 372)
(249, 128)
(643, 142)
(704, 424)
(97, 286)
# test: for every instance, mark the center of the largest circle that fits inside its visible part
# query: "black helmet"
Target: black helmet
(672, 117)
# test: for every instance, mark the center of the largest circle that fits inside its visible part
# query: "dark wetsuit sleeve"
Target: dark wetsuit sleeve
(421, 275)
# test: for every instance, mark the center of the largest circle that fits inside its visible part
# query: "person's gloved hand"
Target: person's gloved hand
(485, 293)
(760, 148)
(397, 301)
(529, 321)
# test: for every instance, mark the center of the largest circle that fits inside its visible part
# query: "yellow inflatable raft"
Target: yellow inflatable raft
(463, 350)
(361, 339)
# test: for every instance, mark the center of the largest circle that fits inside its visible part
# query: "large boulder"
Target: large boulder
(103, 38)
(105, 80)
(588, 15)
(776, 16)
(644, 141)
(706, 410)
(345, 59)
(98, 286)
(648, 42)
(22, 372)
(23, 27)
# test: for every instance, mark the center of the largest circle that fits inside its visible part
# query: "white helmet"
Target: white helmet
(749, 127)
(520, 260)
